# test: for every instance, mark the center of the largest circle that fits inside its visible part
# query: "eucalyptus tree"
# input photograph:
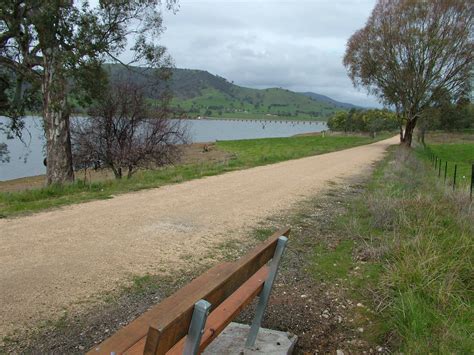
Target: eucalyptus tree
(52, 50)
(410, 51)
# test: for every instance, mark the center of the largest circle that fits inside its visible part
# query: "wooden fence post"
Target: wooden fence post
(454, 178)
(445, 171)
(472, 180)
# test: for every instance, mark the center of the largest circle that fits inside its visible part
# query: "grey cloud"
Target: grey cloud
(296, 44)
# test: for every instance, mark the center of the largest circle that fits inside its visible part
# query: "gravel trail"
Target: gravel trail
(60, 259)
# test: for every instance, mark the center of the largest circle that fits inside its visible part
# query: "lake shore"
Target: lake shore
(217, 158)
(26, 159)
(192, 154)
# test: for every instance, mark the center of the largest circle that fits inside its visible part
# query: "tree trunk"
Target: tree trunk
(117, 171)
(408, 135)
(130, 172)
(56, 124)
(422, 138)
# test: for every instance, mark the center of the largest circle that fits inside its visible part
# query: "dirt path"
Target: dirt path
(55, 260)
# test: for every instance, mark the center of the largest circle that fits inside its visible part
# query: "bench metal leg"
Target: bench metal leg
(265, 294)
(196, 328)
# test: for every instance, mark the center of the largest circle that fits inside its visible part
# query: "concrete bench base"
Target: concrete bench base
(232, 342)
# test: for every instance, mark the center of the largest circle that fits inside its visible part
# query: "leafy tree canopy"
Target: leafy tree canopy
(411, 51)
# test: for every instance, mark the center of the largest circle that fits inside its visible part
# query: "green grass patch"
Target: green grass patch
(272, 150)
(262, 234)
(333, 264)
(460, 154)
(247, 153)
(143, 284)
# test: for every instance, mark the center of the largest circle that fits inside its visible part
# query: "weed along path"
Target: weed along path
(55, 261)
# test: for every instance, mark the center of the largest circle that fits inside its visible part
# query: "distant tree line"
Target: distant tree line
(358, 120)
(446, 116)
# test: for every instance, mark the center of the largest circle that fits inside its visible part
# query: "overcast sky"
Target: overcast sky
(293, 44)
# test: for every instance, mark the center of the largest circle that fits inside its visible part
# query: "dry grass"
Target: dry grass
(450, 137)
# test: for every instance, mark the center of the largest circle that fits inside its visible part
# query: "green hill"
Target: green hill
(198, 93)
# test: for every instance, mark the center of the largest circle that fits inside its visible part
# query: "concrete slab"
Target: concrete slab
(232, 342)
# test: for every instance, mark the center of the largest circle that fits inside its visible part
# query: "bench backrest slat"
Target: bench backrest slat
(168, 322)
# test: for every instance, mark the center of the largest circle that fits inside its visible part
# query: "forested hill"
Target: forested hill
(199, 93)
(323, 98)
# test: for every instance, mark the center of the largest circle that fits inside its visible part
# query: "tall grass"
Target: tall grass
(426, 233)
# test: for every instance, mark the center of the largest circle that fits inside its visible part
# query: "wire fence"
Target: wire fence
(453, 173)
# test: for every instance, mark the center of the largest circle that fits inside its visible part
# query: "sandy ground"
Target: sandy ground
(54, 261)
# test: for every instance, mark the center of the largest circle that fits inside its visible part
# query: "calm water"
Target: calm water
(26, 159)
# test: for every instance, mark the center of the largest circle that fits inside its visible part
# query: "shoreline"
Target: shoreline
(37, 181)
(274, 119)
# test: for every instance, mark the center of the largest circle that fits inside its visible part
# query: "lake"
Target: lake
(26, 159)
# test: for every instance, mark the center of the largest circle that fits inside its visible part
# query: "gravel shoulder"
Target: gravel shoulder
(62, 259)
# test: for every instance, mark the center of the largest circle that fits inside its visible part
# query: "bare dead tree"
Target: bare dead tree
(411, 50)
(125, 132)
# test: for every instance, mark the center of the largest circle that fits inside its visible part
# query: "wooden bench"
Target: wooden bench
(190, 319)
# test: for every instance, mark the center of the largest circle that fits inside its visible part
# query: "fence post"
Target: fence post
(439, 168)
(436, 162)
(445, 171)
(454, 179)
(472, 180)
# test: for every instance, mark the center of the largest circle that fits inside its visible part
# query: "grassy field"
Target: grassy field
(414, 237)
(460, 154)
(244, 154)
(273, 150)
(255, 104)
